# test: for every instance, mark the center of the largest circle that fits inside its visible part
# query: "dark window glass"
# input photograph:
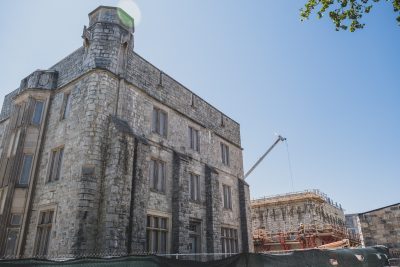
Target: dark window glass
(227, 197)
(194, 187)
(3, 193)
(194, 140)
(37, 113)
(43, 232)
(67, 105)
(16, 219)
(229, 240)
(156, 234)
(26, 170)
(55, 164)
(159, 122)
(157, 175)
(11, 245)
(225, 154)
(195, 238)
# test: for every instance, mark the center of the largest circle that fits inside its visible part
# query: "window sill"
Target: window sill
(52, 182)
(157, 191)
(159, 135)
(198, 202)
(22, 185)
(194, 150)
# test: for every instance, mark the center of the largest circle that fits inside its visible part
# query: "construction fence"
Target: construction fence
(373, 256)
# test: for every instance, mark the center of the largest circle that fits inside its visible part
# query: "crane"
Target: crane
(279, 139)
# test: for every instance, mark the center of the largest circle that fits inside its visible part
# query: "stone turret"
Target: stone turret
(108, 38)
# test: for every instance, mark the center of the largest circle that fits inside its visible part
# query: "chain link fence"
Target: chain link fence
(373, 256)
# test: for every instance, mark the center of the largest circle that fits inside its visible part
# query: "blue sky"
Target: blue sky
(334, 95)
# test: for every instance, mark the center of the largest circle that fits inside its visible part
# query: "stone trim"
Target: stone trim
(180, 203)
(243, 210)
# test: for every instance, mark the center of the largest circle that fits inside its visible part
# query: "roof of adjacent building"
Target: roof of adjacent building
(397, 204)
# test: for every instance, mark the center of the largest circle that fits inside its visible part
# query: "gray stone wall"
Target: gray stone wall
(165, 89)
(70, 67)
(180, 204)
(3, 128)
(382, 227)
(75, 197)
(7, 105)
(213, 210)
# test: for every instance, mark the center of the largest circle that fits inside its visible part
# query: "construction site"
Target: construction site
(299, 220)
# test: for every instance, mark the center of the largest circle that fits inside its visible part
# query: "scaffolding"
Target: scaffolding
(313, 194)
(306, 236)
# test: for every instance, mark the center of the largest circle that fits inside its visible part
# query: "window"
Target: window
(227, 197)
(20, 114)
(194, 141)
(13, 144)
(225, 154)
(160, 122)
(156, 234)
(16, 219)
(66, 105)
(37, 113)
(55, 164)
(192, 101)
(157, 175)
(229, 240)
(16, 141)
(194, 187)
(10, 145)
(43, 232)
(26, 170)
(3, 194)
(11, 243)
(195, 237)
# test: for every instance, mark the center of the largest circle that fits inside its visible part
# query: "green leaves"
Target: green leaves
(345, 14)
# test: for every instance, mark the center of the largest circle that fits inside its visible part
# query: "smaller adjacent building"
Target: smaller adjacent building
(297, 220)
(378, 227)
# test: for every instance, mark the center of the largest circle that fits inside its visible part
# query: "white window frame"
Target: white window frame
(151, 230)
(229, 240)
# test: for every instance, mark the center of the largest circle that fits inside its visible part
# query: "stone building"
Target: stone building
(278, 221)
(288, 211)
(378, 227)
(105, 153)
